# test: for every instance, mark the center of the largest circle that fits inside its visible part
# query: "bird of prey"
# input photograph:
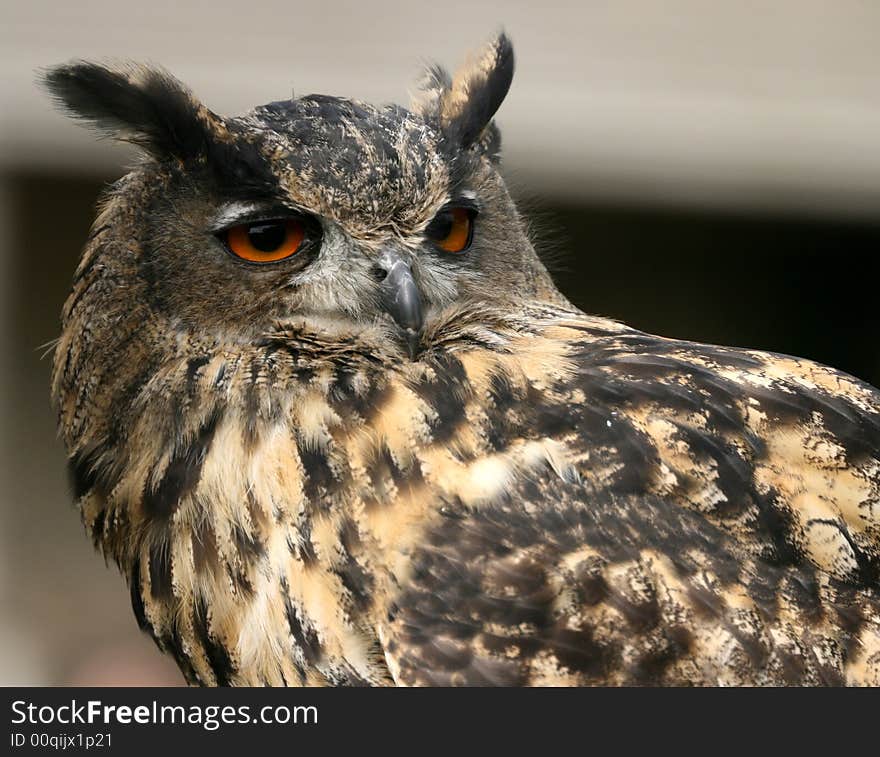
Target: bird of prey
(331, 417)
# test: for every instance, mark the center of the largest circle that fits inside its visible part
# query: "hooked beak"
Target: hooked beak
(401, 298)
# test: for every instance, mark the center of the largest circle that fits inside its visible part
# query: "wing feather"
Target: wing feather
(723, 528)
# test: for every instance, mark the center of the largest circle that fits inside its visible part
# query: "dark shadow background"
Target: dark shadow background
(797, 285)
(800, 286)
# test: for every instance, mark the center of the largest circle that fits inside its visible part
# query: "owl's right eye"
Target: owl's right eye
(452, 229)
(265, 241)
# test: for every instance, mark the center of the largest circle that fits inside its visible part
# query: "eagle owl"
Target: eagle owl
(332, 419)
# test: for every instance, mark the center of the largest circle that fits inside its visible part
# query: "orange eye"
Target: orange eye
(266, 241)
(452, 229)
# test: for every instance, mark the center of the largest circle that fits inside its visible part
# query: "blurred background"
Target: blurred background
(704, 170)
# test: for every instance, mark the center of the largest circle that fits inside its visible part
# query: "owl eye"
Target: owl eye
(452, 229)
(266, 241)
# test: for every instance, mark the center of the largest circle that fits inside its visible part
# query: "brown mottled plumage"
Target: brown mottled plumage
(305, 482)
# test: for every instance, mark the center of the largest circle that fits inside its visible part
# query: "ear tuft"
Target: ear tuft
(434, 83)
(477, 91)
(146, 106)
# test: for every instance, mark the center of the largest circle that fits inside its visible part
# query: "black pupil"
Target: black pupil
(441, 226)
(267, 236)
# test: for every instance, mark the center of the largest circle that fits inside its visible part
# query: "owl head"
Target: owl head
(328, 210)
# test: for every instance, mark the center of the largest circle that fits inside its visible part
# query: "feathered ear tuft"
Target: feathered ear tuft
(466, 104)
(145, 106)
(430, 88)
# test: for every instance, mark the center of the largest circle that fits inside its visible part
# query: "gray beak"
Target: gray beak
(401, 298)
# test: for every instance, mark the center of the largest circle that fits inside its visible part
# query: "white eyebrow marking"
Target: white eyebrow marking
(232, 211)
(468, 195)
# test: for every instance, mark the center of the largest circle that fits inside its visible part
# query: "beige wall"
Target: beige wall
(768, 103)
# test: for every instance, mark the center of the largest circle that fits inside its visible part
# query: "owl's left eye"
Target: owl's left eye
(265, 241)
(452, 229)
